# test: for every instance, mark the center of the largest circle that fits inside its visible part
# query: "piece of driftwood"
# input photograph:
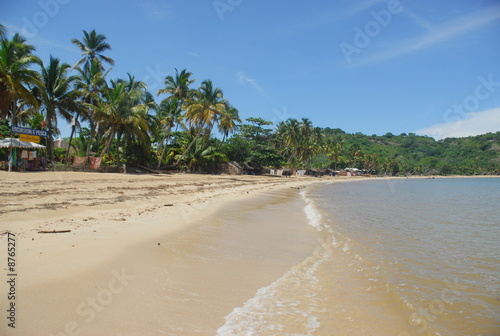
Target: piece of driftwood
(149, 170)
(55, 231)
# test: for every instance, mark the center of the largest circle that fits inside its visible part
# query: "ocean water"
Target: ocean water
(393, 257)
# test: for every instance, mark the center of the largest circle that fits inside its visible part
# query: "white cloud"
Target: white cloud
(473, 123)
(439, 34)
(242, 78)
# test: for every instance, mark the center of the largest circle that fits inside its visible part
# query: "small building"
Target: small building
(231, 168)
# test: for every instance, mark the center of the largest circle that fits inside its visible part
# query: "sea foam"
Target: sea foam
(292, 297)
(313, 215)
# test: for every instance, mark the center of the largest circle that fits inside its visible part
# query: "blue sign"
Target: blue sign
(28, 131)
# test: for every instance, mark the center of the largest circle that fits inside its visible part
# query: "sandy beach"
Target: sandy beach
(169, 254)
(117, 223)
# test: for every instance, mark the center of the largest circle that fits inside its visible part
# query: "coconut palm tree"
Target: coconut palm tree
(228, 121)
(355, 154)
(141, 123)
(92, 46)
(17, 76)
(178, 86)
(169, 114)
(205, 108)
(201, 155)
(80, 145)
(89, 84)
(124, 113)
(3, 32)
(112, 110)
(298, 141)
(334, 150)
(57, 96)
(288, 133)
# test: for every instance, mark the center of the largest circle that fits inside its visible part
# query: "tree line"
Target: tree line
(195, 127)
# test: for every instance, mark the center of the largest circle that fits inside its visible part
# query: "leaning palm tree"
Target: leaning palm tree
(206, 106)
(92, 46)
(16, 75)
(57, 96)
(201, 155)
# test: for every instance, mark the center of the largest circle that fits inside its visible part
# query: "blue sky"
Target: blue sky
(374, 66)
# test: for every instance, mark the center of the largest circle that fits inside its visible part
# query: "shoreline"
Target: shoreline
(101, 206)
(91, 203)
(117, 222)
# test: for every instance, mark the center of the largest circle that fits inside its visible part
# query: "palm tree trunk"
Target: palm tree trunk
(50, 140)
(189, 147)
(118, 141)
(73, 128)
(164, 141)
(108, 142)
(91, 139)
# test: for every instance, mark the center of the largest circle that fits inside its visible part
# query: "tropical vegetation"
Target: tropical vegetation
(194, 127)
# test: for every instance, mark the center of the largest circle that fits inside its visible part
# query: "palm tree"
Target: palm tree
(298, 141)
(206, 106)
(92, 46)
(140, 124)
(289, 134)
(89, 84)
(80, 145)
(16, 75)
(111, 110)
(334, 150)
(370, 162)
(35, 121)
(3, 32)
(169, 114)
(228, 121)
(124, 113)
(355, 154)
(56, 96)
(200, 155)
(178, 86)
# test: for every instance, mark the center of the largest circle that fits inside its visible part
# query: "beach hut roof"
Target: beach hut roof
(247, 166)
(16, 143)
